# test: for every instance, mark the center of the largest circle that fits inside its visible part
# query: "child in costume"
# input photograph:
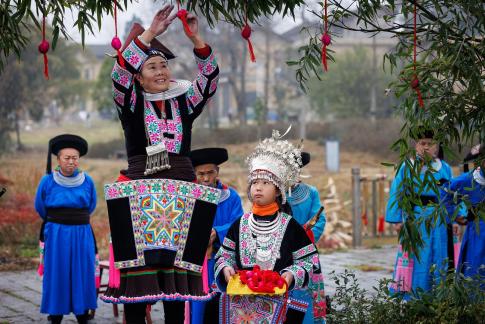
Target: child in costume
(266, 236)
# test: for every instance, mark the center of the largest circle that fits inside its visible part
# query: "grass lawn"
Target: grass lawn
(98, 132)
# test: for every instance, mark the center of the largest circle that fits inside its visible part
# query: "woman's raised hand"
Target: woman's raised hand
(161, 21)
(193, 23)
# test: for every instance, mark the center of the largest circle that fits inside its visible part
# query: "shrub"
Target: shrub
(455, 299)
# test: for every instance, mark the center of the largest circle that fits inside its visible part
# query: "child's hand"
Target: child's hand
(288, 276)
(228, 273)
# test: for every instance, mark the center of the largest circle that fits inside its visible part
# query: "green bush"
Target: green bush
(455, 299)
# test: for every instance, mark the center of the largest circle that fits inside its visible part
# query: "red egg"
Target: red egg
(246, 33)
(326, 39)
(116, 43)
(44, 47)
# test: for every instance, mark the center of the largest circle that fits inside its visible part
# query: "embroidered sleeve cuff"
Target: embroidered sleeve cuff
(304, 251)
(207, 65)
(134, 54)
(299, 276)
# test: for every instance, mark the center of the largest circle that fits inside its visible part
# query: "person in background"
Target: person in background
(306, 208)
(65, 199)
(435, 248)
(469, 189)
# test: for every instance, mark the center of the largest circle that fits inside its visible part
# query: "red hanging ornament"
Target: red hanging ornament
(415, 80)
(381, 225)
(116, 42)
(182, 15)
(246, 34)
(326, 39)
(43, 49)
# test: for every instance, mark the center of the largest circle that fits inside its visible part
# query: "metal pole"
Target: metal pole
(356, 213)
(374, 207)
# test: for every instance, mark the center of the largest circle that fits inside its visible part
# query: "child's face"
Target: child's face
(263, 192)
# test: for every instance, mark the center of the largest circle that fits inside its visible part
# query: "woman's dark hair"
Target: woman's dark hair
(284, 208)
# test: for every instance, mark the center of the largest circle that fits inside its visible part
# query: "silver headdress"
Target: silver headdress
(277, 161)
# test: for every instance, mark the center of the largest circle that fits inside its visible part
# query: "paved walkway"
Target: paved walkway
(20, 292)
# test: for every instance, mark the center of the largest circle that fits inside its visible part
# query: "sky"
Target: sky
(144, 10)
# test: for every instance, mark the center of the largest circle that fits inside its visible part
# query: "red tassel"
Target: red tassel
(120, 59)
(246, 34)
(380, 225)
(251, 51)
(44, 48)
(46, 66)
(324, 57)
(182, 15)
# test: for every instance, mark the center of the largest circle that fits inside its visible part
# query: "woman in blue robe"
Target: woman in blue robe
(65, 199)
(435, 248)
(305, 204)
(470, 187)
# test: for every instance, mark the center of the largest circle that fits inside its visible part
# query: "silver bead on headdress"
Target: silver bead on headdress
(277, 161)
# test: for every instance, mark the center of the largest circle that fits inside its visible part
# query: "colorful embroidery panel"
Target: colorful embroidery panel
(161, 219)
(256, 309)
(134, 55)
(304, 251)
(194, 95)
(213, 85)
(208, 65)
(161, 211)
(202, 81)
(156, 126)
(224, 258)
(161, 186)
(121, 76)
(118, 96)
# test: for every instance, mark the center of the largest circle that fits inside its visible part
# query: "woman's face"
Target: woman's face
(155, 75)
(426, 147)
(263, 192)
(68, 160)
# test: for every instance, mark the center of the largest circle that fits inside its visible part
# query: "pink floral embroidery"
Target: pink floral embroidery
(112, 192)
(170, 146)
(134, 60)
(141, 188)
(171, 188)
(196, 192)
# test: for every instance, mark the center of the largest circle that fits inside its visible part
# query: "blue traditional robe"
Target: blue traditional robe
(229, 209)
(69, 251)
(305, 203)
(435, 249)
(472, 254)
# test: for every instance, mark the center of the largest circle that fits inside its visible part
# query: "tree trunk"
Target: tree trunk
(20, 146)
(241, 109)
